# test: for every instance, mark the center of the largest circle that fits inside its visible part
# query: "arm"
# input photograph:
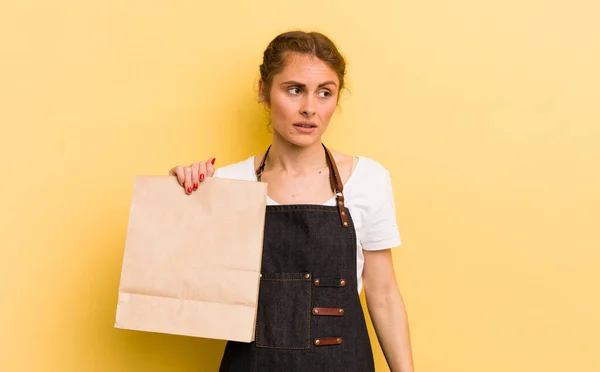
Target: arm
(387, 311)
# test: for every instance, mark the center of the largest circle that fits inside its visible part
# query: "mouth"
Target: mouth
(305, 125)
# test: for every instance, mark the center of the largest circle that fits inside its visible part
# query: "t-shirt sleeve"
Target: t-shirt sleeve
(381, 229)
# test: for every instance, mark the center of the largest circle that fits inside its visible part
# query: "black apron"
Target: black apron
(309, 312)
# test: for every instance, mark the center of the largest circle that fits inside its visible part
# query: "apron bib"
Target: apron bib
(309, 313)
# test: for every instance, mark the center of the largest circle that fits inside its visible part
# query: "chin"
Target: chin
(301, 141)
(304, 142)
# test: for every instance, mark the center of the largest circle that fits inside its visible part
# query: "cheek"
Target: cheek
(328, 110)
(282, 108)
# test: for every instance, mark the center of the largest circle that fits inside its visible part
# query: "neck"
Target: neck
(290, 158)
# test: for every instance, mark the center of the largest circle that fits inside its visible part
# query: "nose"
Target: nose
(308, 107)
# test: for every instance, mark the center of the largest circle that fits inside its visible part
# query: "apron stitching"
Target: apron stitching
(308, 210)
(309, 307)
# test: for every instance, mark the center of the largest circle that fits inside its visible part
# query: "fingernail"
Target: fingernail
(189, 190)
(201, 177)
(196, 186)
(213, 161)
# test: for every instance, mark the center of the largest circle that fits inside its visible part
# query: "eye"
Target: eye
(324, 94)
(294, 90)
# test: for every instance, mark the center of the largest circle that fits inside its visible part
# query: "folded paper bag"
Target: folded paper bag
(191, 264)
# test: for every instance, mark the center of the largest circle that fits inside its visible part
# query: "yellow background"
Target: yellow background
(486, 113)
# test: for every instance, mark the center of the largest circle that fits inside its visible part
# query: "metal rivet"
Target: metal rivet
(343, 283)
(315, 311)
(307, 276)
(317, 342)
(345, 224)
(341, 202)
(339, 340)
(342, 311)
(343, 213)
(317, 282)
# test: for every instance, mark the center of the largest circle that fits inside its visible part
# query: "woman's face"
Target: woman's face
(303, 98)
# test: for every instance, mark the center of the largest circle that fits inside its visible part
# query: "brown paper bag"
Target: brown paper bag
(192, 262)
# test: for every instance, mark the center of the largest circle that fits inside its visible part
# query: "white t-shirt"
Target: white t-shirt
(368, 196)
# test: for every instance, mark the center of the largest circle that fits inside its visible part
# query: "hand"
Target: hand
(191, 176)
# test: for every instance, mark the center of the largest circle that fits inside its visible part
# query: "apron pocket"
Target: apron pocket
(283, 315)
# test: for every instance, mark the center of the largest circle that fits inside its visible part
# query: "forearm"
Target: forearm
(388, 315)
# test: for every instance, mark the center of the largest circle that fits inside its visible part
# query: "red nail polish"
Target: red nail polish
(196, 186)
(189, 190)
(201, 177)
(213, 161)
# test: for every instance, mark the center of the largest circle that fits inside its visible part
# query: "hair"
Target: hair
(308, 43)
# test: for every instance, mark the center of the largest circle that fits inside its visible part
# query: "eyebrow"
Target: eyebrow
(291, 82)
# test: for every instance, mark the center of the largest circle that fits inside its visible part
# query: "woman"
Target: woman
(329, 227)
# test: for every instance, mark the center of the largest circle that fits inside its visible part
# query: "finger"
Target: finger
(178, 172)
(195, 176)
(210, 167)
(188, 180)
(202, 165)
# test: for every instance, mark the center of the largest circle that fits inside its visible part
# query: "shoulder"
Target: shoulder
(371, 167)
(243, 170)
(370, 175)
(362, 173)
(370, 183)
(340, 158)
(368, 165)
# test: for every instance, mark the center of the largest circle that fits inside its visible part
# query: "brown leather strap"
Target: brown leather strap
(327, 311)
(261, 167)
(334, 179)
(337, 186)
(326, 341)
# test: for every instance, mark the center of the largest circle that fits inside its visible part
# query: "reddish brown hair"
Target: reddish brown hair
(311, 43)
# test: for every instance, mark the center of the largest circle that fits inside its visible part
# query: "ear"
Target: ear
(262, 93)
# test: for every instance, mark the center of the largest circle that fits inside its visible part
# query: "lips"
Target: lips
(305, 125)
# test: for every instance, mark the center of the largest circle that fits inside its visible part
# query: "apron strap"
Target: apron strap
(334, 178)
(261, 167)
(337, 186)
